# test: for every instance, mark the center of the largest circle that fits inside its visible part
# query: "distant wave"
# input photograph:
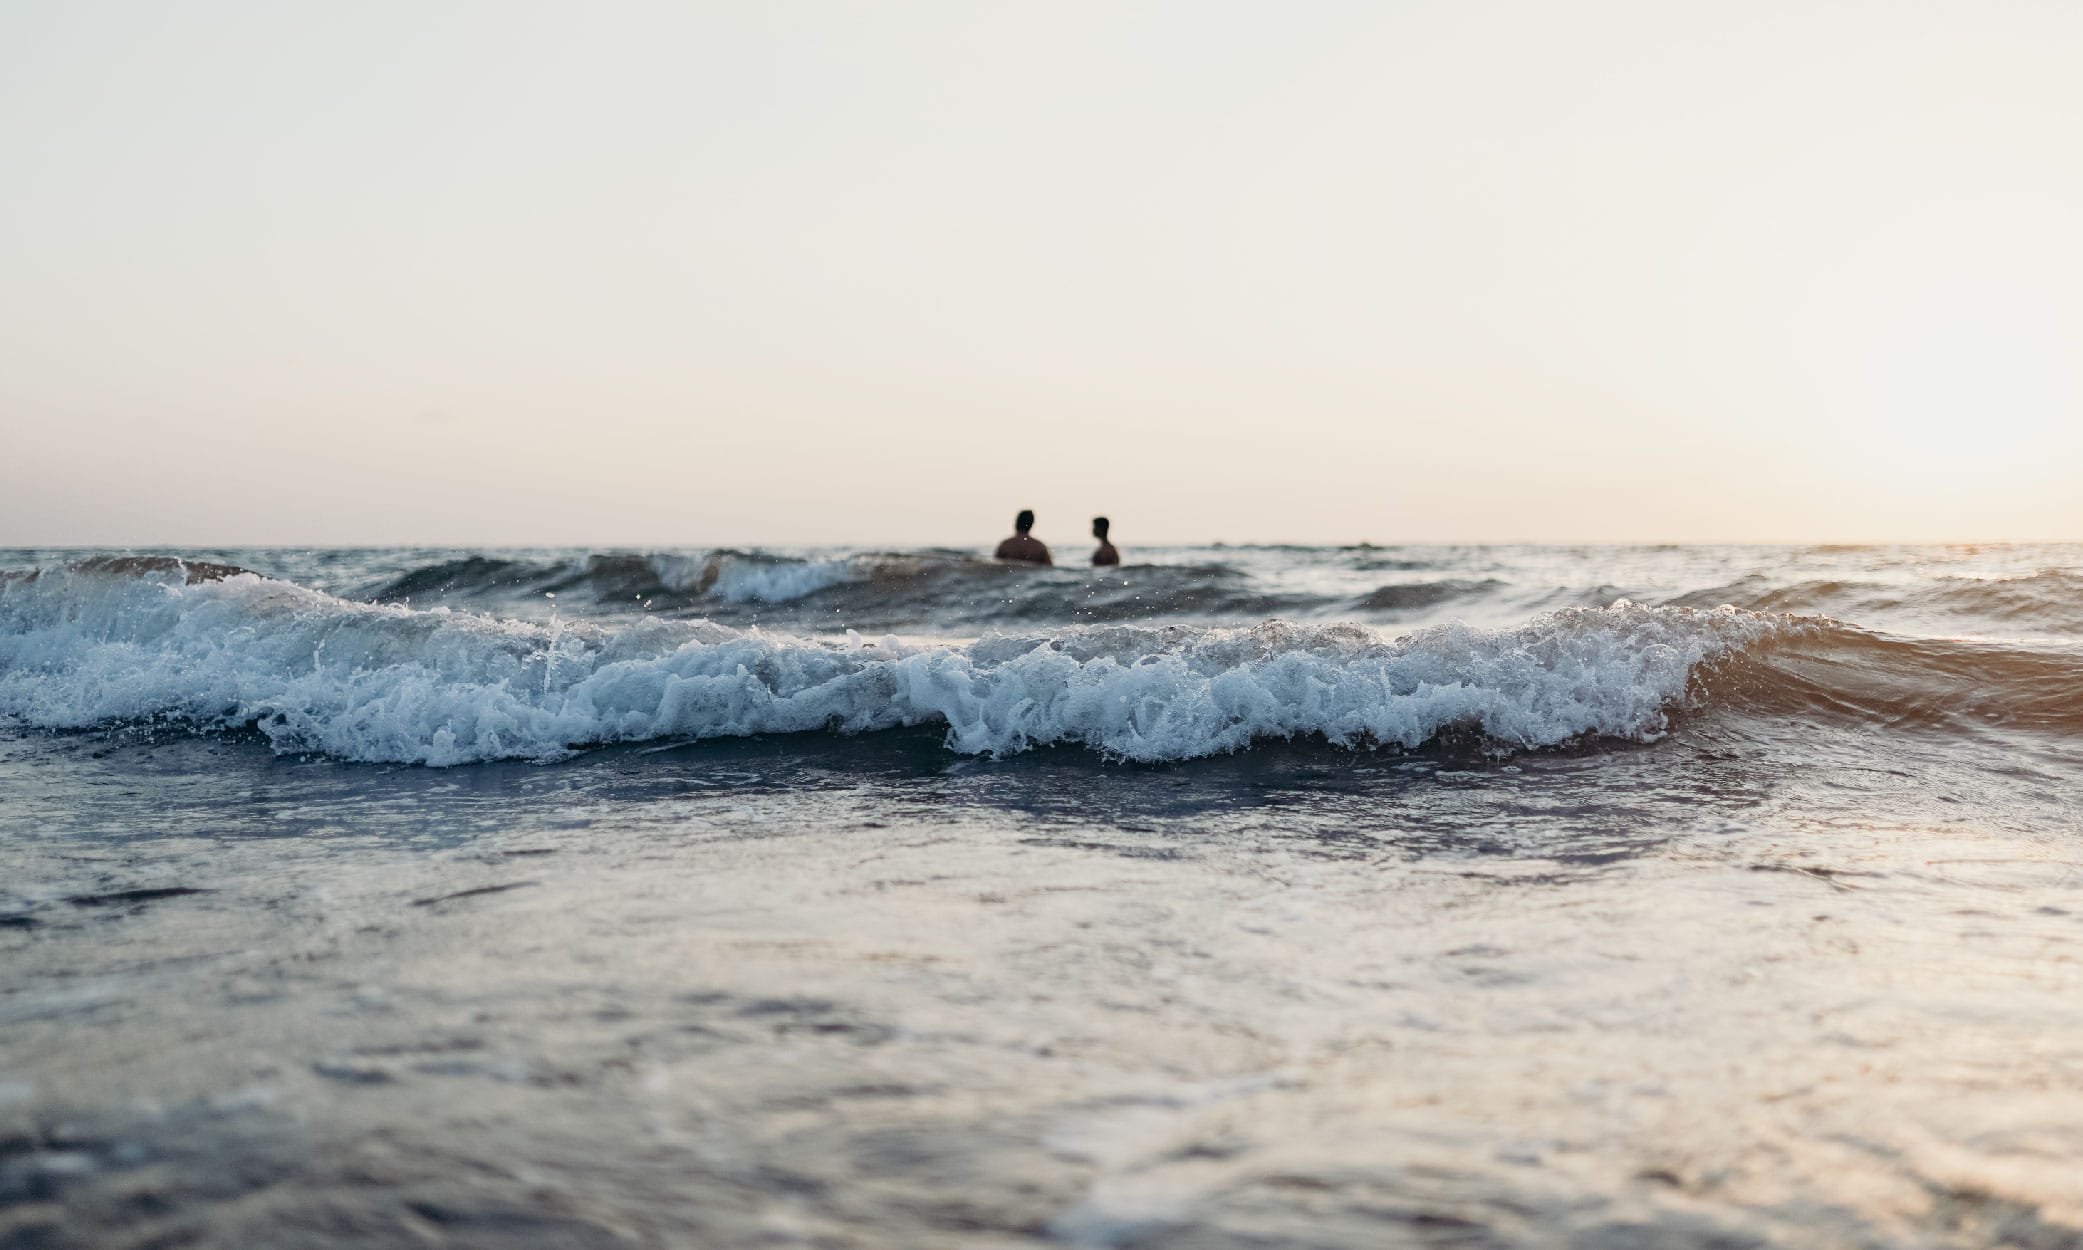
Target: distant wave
(163, 568)
(1760, 594)
(2050, 599)
(730, 576)
(886, 587)
(96, 646)
(1423, 596)
(952, 591)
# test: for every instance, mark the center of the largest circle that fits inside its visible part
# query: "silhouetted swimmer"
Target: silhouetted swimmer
(1022, 546)
(1106, 553)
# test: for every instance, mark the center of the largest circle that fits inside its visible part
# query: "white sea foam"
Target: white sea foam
(393, 683)
(741, 580)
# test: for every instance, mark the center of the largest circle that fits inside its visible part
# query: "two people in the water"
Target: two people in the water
(1024, 548)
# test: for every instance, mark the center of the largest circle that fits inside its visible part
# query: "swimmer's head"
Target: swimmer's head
(1025, 521)
(1099, 528)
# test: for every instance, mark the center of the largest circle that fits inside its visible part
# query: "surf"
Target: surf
(387, 682)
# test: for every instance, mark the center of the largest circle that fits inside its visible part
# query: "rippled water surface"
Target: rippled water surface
(1241, 897)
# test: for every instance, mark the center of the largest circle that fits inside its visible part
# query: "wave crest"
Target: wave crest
(387, 682)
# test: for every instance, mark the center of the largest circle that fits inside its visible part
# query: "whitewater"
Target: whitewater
(1239, 896)
(95, 644)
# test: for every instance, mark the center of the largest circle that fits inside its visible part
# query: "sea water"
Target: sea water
(1236, 896)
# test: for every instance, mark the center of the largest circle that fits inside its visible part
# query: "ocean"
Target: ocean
(1238, 896)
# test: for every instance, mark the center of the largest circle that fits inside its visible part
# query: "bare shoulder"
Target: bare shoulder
(1024, 549)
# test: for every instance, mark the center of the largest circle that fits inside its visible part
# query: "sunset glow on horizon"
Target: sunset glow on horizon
(530, 274)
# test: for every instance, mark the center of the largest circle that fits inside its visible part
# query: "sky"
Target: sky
(883, 273)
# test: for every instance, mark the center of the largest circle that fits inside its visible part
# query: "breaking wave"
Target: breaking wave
(875, 589)
(2050, 599)
(953, 591)
(729, 576)
(223, 649)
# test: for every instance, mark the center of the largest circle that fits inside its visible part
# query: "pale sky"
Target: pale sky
(886, 272)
